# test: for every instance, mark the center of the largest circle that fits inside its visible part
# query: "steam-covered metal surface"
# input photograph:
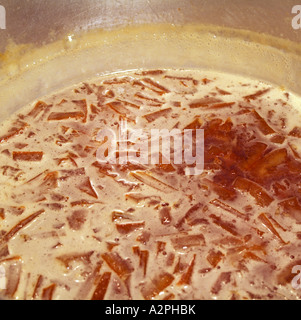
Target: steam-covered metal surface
(40, 21)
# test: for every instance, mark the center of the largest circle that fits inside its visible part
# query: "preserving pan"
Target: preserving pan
(47, 45)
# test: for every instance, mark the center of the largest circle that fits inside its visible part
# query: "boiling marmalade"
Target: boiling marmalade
(72, 227)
